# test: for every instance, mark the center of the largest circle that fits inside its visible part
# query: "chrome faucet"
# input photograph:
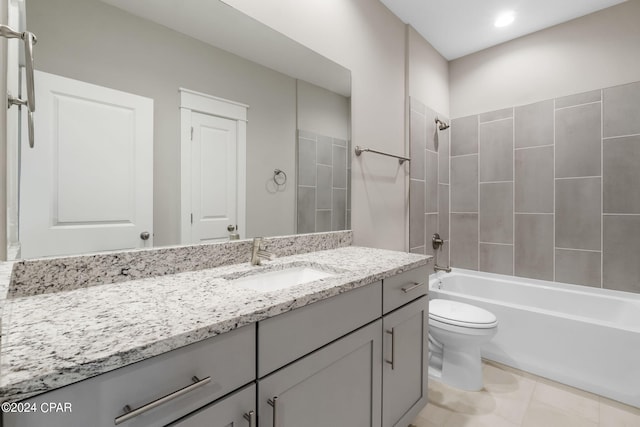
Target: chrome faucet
(437, 268)
(259, 253)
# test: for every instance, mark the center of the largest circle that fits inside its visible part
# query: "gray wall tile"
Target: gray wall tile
(431, 200)
(323, 221)
(578, 139)
(430, 227)
(621, 175)
(464, 135)
(324, 187)
(496, 258)
(325, 145)
(339, 210)
(416, 213)
(306, 162)
(443, 210)
(415, 104)
(464, 240)
(534, 124)
(580, 98)
(340, 142)
(464, 184)
(495, 115)
(496, 151)
(496, 212)
(339, 167)
(621, 257)
(534, 246)
(418, 250)
(307, 135)
(578, 211)
(534, 180)
(443, 254)
(418, 140)
(306, 210)
(432, 131)
(622, 110)
(443, 157)
(578, 267)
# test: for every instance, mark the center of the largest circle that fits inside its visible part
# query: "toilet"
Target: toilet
(457, 331)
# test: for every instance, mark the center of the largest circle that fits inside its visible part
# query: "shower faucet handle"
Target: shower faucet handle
(436, 241)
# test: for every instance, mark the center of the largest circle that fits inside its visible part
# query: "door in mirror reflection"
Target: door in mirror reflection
(213, 177)
(88, 184)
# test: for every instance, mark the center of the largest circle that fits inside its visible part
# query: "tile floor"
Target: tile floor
(513, 398)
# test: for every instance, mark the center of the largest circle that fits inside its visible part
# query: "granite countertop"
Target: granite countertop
(55, 339)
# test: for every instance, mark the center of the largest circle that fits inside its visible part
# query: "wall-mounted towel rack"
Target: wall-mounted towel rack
(359, 150)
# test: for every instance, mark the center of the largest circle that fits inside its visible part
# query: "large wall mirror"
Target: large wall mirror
(166, 122)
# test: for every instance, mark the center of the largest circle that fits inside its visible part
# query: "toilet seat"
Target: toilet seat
(460, 314)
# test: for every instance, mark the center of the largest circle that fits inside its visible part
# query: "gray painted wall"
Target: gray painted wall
(589, 53)
(76, 40)
(365, 37)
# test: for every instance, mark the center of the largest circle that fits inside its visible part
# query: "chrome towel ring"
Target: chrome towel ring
(279, 177)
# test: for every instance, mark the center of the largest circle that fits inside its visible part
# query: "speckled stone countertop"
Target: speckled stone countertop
(55, 339)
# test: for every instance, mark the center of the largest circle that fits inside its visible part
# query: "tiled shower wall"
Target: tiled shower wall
(429, 182)
(551, 190)
(324, 183)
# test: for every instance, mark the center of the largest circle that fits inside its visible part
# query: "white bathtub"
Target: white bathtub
(585, 337)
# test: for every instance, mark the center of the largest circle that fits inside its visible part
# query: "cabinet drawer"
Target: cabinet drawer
(228, 359)
(404, 287)
(239, 409)
(289, 336)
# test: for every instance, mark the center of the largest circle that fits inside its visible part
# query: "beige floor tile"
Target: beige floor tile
(485, 420)
(542, 415)
(434, 414)
(568, 400)
(615, 414)
(460, 401)
(423, 422)
(511, 392)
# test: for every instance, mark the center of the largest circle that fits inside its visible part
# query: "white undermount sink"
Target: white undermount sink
(281, 279)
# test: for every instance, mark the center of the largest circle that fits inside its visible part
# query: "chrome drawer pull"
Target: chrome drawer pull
(251, 417)
(132, 413)
(274, 404)
(414, 285)
(393, 348)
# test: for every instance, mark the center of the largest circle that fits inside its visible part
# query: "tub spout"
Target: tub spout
(437, 268)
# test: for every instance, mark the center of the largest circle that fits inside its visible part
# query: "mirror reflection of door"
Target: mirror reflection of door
(87, 185)
(213, 177)
(213, 167)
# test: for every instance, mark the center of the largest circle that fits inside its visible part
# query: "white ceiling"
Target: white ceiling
(459, 27)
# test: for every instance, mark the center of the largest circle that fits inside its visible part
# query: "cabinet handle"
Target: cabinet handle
(274, 404)
(132, 413)
(413, 286)
(251, 417)
(393, 348)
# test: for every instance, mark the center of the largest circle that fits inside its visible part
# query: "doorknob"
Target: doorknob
(145, 235)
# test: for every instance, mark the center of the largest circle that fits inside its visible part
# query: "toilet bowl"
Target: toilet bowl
(457, 331)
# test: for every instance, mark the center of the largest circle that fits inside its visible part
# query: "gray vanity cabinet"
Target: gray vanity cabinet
(235, 410)
(338, 385)
(220, 365)
(405, 363)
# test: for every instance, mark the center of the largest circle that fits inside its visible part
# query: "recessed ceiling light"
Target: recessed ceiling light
(505, 19)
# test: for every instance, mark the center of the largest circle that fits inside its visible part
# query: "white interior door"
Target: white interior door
(87, 185)
(213, 177)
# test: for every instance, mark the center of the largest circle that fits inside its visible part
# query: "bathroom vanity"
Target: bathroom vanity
(199, 348)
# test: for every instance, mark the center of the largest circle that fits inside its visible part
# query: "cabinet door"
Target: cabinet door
(405, 363)
(338, 385)
(237, 410)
